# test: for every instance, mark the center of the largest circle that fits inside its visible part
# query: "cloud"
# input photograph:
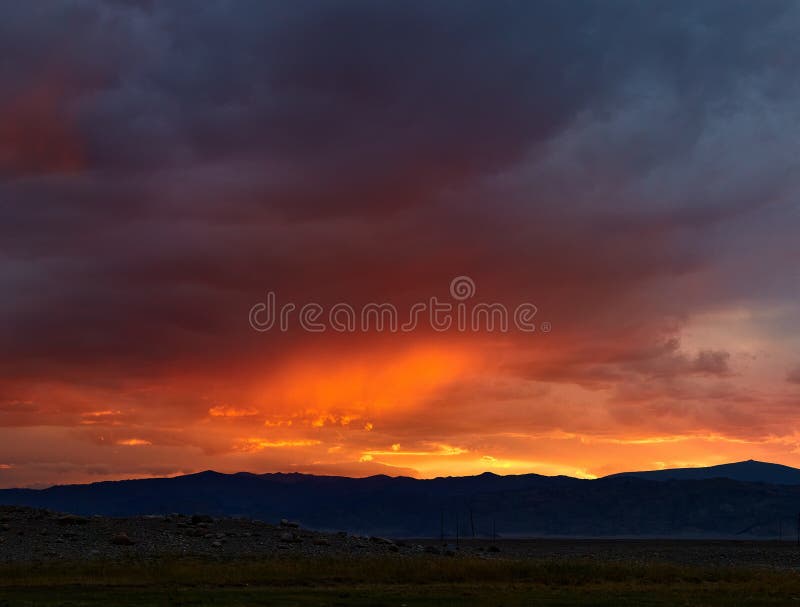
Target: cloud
(133, 442)
(161, 169)
(227, 411)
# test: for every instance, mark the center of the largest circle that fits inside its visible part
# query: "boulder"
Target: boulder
(382, 540)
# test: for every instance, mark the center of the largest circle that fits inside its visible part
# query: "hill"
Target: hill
(512, 506)
(751, 471)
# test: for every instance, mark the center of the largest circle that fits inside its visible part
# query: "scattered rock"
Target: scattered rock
(44, 535)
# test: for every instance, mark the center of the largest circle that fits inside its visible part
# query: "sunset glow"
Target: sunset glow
(161, 172)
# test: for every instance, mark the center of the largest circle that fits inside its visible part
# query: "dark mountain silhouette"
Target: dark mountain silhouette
(523, 505)
(750, 471)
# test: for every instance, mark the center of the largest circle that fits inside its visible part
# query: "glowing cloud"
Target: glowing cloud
(133, 442)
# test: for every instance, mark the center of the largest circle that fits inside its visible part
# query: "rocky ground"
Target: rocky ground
(29, 535)
(35, 535)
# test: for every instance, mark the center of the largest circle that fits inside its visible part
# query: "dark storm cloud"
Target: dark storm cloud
(163, 164)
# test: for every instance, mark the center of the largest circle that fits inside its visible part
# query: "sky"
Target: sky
(628, 168)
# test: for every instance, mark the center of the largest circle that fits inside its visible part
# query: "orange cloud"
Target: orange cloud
(346, 388)
(228, 411)
(259, 444)
(438, 451)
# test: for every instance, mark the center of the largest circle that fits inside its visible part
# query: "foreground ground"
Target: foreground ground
(51, 559)
(417, 581)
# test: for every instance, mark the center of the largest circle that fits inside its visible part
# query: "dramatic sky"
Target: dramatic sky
(631, 168)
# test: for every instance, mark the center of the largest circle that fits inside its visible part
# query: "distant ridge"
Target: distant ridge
(750, 471)
(744, 499)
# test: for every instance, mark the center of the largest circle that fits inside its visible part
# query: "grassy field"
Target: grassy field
(413, 582)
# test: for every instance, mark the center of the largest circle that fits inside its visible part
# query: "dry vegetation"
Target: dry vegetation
(395, 581)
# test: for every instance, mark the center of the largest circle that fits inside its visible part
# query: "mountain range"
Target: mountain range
(743, 499)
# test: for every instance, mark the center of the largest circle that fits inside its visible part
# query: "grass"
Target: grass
(414, 582)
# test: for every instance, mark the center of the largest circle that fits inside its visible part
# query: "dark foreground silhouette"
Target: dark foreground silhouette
(741, 500)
